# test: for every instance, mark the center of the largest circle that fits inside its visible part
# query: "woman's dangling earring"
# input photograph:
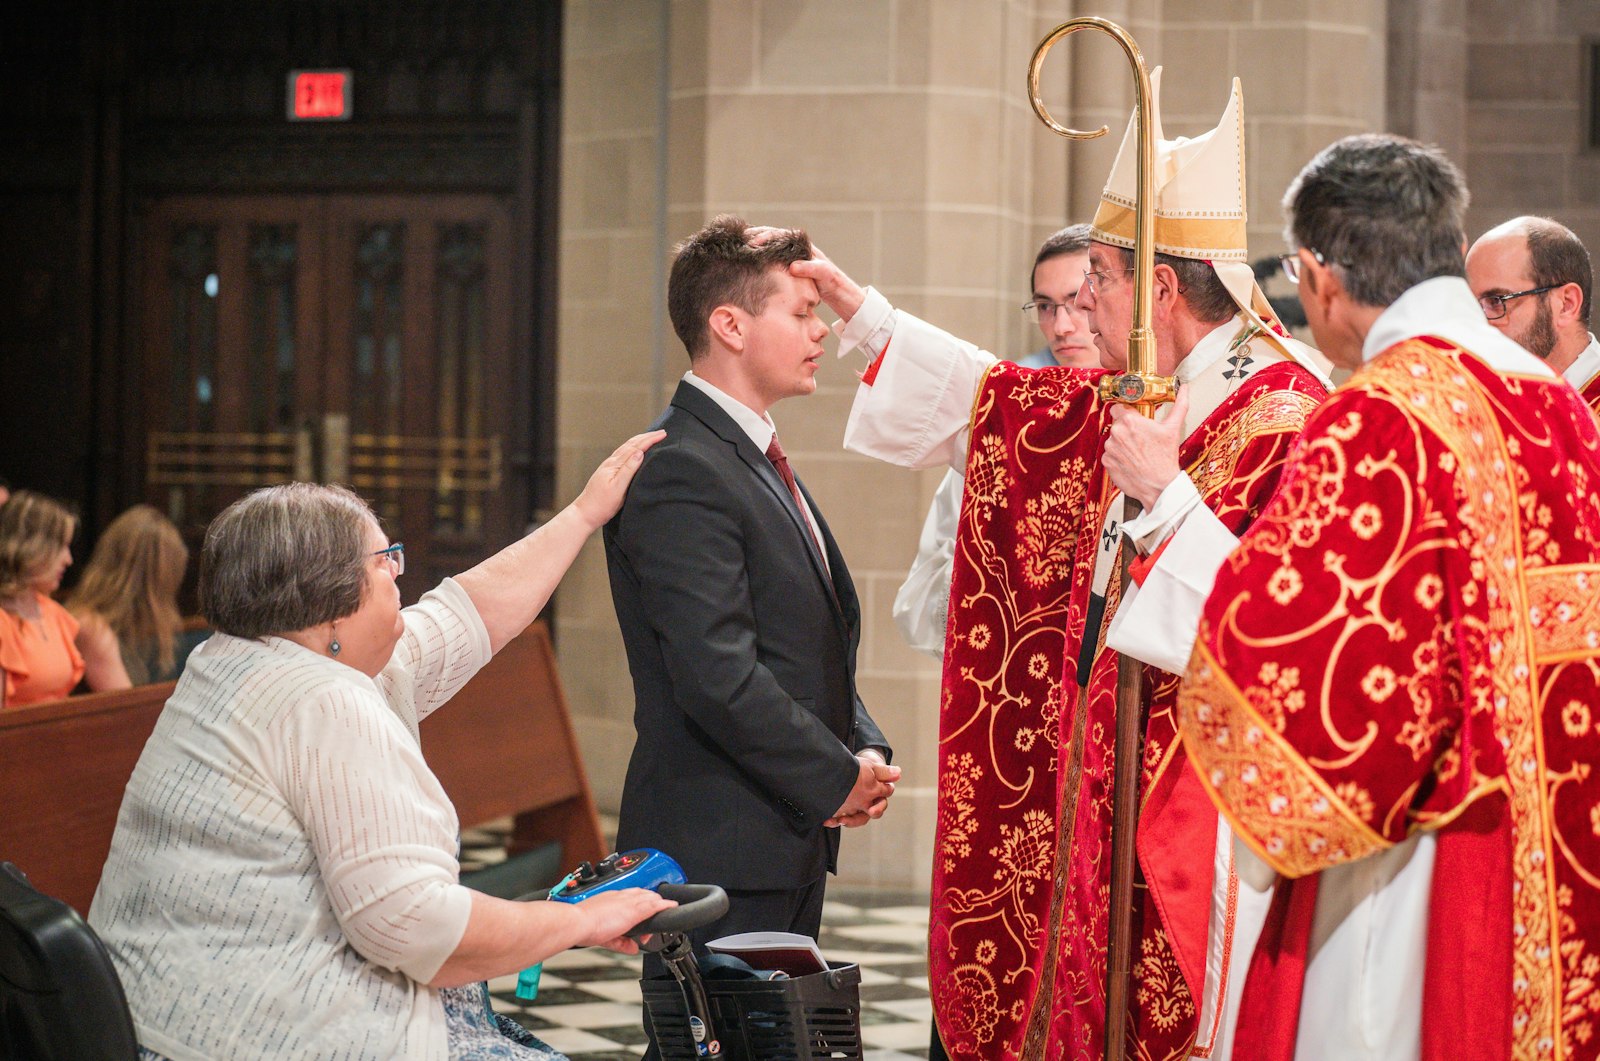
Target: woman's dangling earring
(333, 646)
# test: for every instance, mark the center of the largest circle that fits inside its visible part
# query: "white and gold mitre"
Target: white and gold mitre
(1198, 183)
(1199, 209)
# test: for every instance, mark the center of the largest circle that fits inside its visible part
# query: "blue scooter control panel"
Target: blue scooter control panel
(644, 868)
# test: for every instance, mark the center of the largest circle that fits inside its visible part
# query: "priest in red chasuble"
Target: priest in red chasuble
(1534, 279)
(1395, 691)
(1019, 923)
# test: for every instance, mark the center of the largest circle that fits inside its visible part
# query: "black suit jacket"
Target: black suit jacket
(743, 655)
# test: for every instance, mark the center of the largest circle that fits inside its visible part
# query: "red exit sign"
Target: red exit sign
(319, 95)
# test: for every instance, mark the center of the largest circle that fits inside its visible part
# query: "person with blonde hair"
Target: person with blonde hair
(41, 656)
(129, 591)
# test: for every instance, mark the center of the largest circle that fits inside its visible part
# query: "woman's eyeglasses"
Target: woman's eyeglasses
(396, 555)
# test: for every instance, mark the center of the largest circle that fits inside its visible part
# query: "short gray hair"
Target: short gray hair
(1202, 289)
(285, 558)
(1388, 211)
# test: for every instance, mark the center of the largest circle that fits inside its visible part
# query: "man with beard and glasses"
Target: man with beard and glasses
(1532, 277)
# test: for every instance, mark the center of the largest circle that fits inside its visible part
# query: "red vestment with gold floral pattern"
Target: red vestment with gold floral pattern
(1409, 639)
(1019, 924)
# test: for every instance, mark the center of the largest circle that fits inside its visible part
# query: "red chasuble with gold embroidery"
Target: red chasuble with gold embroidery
(1019, 928)
(1409, 639)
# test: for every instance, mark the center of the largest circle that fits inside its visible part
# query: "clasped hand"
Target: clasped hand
(869, 797)
(1141, 454)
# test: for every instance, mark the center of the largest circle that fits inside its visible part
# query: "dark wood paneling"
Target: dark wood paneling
(113, 108)
(505, 745)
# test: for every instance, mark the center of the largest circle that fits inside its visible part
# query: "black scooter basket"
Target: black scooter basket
(805, 1018)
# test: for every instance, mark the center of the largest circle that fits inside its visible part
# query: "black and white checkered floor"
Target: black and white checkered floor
(589, 1005)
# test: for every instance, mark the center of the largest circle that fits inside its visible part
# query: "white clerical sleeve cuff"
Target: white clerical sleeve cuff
(922, 606)
(1152, 528)
(915, 412)
(869, 330)
(1158, 621)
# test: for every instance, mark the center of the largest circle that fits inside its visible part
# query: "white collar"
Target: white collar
(1586, 366)
(757, 425)
(1207, 379)
(1446, 307)
(1212, 347)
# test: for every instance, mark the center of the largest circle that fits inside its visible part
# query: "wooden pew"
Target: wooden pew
(503, 746)
(63, 766)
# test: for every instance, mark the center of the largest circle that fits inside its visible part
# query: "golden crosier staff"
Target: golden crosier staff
(1138, 386)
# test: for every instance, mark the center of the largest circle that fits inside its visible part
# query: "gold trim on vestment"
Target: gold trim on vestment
(1295, 825)
(1434, 387)
(1564, 612)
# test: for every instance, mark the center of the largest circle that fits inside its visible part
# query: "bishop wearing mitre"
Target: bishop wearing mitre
(1039, 614)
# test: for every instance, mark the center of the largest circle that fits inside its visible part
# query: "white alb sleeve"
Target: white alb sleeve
(1158, 621)
(922, 606)
(916, 410)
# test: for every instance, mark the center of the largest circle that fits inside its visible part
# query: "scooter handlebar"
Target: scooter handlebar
(698, 904)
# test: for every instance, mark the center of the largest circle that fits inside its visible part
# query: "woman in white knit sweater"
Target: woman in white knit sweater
(283, 878)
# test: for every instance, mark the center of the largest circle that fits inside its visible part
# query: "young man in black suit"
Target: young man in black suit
(737, 610)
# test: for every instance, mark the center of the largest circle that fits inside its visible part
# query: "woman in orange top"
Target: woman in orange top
(38, 654)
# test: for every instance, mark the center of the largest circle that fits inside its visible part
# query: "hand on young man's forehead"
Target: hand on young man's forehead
(760, 234)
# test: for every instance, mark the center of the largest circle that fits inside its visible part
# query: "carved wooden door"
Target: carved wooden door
(355, 339)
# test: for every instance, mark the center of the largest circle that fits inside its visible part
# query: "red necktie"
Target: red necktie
(775, 454)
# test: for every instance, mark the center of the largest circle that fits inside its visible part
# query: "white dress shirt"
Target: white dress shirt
(762, 431)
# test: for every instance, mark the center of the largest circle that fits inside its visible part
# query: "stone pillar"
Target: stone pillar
(1526, 83)
(1427, 87)
(1312, 71)
(610, 346)
(898, 133)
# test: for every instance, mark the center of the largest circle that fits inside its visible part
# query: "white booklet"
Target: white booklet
(790, 952)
